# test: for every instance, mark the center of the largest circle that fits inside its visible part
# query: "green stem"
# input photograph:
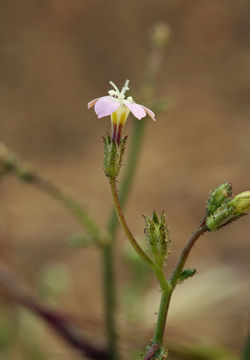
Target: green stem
(135, 147)
(151, 72)
(162, 316)
(109, 300)
(246, 349)
(185, 252)
(71, 204)
(167, 288)
(125, 227)
(10, 164)
(166, 292)
(108, 263)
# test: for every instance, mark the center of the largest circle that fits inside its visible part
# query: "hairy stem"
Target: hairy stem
(185, 252)
(135, 147)
(162, 316)
(126, 228)
(166, 292)
(167, 288)
(108, 263)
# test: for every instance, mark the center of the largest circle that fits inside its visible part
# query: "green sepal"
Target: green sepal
(113, 156)
(220, 217)
(225, 215)
(155, 218)
(157, 236)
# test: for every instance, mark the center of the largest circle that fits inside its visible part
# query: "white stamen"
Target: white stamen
(130, 99)
(125, 87)
(114, 86)
(119, 95)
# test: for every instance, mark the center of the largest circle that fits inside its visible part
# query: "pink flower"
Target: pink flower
(119, 108)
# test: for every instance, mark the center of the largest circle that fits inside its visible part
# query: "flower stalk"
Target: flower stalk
(126, 228)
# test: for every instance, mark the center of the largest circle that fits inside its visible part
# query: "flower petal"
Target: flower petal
(150, 113)
(105, 106)
(136, 109)
(92, 103)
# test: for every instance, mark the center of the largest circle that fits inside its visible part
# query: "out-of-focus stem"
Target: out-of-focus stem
(62, 324)
(147, 92)
(9, 164)
(109, 300)
(246, 349)
(75, 208)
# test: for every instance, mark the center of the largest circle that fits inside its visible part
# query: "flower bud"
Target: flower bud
(157, 236)
(113, 155)
(222, 216)
(241, 203)
(218, 196)
(160, 34)
(230, 210)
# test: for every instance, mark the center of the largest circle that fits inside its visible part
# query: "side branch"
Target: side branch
(185, 252)
(10, 164)
(62, 324)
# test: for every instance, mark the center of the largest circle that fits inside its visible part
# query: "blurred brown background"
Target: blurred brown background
(55, 56)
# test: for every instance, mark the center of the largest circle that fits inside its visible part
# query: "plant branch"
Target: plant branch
(9, 164)
(166, 293)
(135, 146)
(61, 323)
(185, 252)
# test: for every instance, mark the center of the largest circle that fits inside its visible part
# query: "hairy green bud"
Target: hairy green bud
(241, 203)
(222, 216)
(218, 196)
(229, 211)
(157, 236)
(113, 155)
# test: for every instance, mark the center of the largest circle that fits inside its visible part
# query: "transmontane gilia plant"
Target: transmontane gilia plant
(222, 209)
